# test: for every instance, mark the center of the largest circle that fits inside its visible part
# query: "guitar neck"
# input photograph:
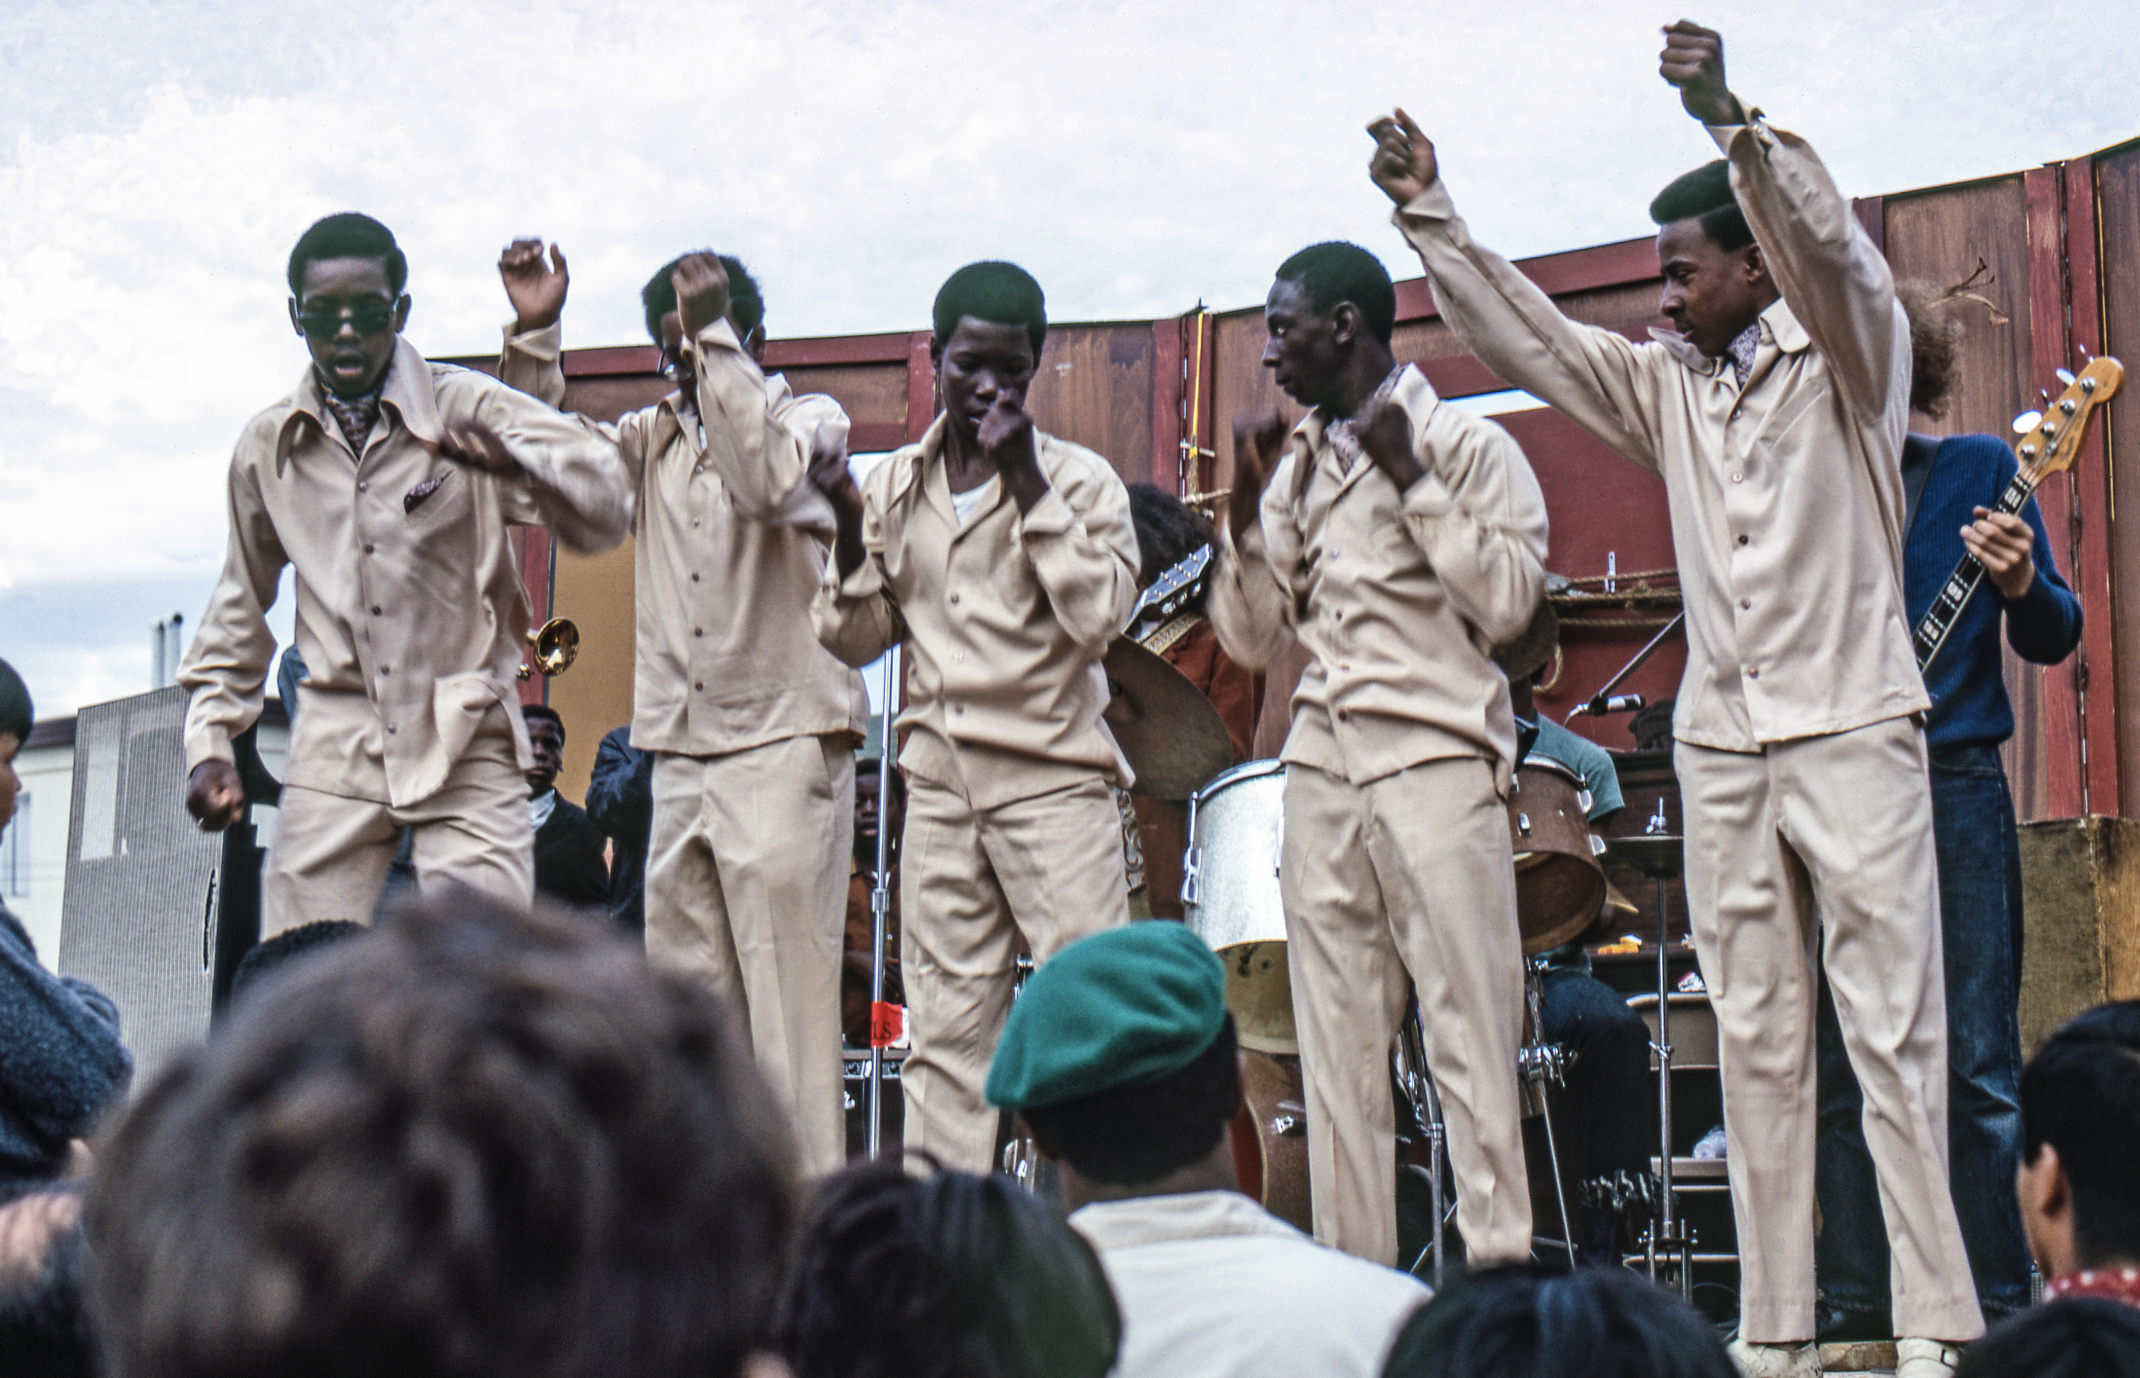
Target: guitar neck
(1954, 595)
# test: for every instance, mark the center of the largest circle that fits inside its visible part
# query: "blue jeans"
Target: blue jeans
(1980, 920)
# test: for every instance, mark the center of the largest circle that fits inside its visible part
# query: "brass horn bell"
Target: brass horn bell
(557, 645)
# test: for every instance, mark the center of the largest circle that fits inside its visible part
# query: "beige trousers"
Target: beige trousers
(746, 890)
(970, 881)
(1409, 876)
(331, 853)
(1841, 825)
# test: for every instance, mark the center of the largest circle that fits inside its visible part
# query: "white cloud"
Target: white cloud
(159, 160)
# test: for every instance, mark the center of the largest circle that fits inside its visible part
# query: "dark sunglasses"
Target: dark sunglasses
(324, 323)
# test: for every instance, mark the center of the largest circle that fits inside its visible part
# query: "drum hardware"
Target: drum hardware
(1660, 856)
(1538, 1063)
(1418, 1083)
(881, 1020)
(556, 644)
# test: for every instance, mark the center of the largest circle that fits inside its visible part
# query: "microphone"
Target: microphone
(1617, 703)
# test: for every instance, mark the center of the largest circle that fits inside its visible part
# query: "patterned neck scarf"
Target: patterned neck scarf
(1742, 352)
(2105, 1284)
(1340, 433)
(356, 415)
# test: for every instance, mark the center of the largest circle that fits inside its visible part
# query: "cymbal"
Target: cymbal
(1653, 854)
(1172, 736)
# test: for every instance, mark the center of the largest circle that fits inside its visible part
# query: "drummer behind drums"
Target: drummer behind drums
(1399, 541)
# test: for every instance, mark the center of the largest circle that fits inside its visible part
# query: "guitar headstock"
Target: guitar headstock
(2050, 439)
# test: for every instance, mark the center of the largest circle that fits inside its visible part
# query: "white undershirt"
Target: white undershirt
(973, 499)
(541, 807)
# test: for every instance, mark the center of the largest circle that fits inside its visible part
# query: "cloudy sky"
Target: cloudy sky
(158, 159)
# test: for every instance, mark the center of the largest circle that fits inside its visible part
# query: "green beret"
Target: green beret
(1117, 1007)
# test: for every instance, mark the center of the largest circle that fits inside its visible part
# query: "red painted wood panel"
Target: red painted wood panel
(2067, 787)
(921, 385)
(2097, 586)
(1169, 402)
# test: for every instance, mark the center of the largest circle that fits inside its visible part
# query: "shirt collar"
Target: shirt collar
(408, 392)
(1409, 389)
(1179, 1215)
(1777, 323)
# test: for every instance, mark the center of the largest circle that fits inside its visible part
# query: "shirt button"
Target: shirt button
(698, 631)
(1742, 540)
(698, 468)
(363, 485)
(694, 578)
(959, 657)
(1753, 674)
(1737, 412)
(694, 521)
(954, 598)
(959, 708)
(385, 670)
(1345, 665)
(375, 609)
(1745, 603)
(392, 728)
(698, 684)
(1344, 716)
(367, 549)
(1735, 478)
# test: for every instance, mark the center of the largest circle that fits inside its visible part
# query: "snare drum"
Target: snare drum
(1560, 887)
(1230, 897)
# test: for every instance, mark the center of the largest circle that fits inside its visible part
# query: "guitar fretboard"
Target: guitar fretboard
(1955, 593)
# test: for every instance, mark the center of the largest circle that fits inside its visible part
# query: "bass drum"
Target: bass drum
(1230, 897)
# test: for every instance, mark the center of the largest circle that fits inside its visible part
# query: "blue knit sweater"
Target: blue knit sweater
(1969, 704)
(61, 1062)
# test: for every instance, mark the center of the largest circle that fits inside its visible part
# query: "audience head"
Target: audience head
(271, 959)
(1169, 531)
(478, 1142)
(346, 299)
(2080, 1118)
(2084, 1338)
(1935, 346)
(1120, 1056)
(1715, 280)
(1330, 314)
(546, 743)
(16, 719)
(1527, 1321)
(992, 293)
(867, 770)
(944, 1275)
(44, 1328)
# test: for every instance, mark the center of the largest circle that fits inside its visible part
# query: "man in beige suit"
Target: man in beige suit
(1775, 413)
(388, 482)
(1004, 561)
(751, 722)
(1399, 540)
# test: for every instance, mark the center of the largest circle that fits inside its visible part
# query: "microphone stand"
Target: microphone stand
(880, 902)
(1596, 704)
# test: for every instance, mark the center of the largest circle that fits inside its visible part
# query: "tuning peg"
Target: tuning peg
(2026, 422)
(2064, 376)
(2084, 351)
(2043, 395)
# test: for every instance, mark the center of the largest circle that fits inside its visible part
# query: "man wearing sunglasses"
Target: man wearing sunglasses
(388, 482)
(752, 724)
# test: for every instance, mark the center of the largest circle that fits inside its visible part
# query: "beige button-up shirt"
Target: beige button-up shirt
(730, 543)
(1211, 1285)
(1786, 495)
(410, 614)
(1005, 619)
(1399, 597)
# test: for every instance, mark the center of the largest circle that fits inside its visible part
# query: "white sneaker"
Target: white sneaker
(1926, 1358)
(1777, 1361)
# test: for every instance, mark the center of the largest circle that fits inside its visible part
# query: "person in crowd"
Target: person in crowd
(2084, 1338)
(751, 722)
(1120, 1058)
(2080, 1119)
(1774, 412)
(268, 960)
(942, 1275)
(1398, 541)
(1169, 531)
(855, 969)
(62, 1063)
(44, 1324)
(1529, 1321)
(1003, 559)
(620, 800)
(1951, 486)
(569, 865)
(385, 479)
(475, 1142)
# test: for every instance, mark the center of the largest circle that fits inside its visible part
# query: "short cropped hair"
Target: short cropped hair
(270, 959)
(948, 1275)
(1935, 347)
(17, 714)
(1169, 531)
(1529, 1321)
(478, 1142)
(1337, 272)
(1705, 194)
(996, 292)
(2081, 1095)
(2086, 1337)
(543, 711)
(1140, 1131)
(746, 302)
(348, 235)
